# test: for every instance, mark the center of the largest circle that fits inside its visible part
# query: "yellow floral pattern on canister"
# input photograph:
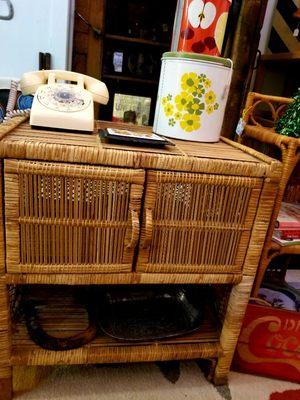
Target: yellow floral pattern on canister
(207, 83)
(210, 97)
(188, 106)
(182, 99)
(190, 122)
(177, 115)
(210, 109)
(189, 81)
(169, 109)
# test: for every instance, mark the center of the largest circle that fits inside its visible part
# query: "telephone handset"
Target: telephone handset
(63, 105)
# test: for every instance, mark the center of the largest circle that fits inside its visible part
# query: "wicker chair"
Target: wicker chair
(262, 111)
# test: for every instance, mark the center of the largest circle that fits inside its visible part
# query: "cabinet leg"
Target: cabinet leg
(220, 380)
(6, 392)
(5, 344)
(233, 320)
(26, 378)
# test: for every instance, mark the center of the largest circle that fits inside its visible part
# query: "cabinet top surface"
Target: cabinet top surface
(225, 157)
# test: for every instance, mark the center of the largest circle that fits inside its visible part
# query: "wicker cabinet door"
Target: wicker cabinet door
(68, 218)
(196, 223)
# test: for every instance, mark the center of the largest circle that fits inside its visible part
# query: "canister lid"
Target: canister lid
(199, 57)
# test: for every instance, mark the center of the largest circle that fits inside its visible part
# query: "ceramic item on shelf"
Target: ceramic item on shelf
(199, 26)
(192, 95)
(151, 312)
(142, 64)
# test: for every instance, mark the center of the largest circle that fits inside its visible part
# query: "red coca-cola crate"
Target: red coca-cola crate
(269, 343)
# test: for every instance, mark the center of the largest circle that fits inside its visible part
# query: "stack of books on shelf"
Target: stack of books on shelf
(287, 230)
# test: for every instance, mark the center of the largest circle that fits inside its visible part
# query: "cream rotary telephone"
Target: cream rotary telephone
(63, 105)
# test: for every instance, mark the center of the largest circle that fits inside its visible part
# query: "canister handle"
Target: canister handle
(227, 85)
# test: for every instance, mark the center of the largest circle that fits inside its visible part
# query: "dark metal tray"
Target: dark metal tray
(151, 312)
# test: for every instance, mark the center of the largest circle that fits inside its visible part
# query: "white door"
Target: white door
(36, 26)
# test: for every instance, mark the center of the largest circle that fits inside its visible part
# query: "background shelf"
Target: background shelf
(138, 33)
(281, 57)
(130, 79)
(136, 40)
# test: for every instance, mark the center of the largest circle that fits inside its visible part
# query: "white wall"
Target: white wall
(267, 26)
(37, 25)
(265, 33)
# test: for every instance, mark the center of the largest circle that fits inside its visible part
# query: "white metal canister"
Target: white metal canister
(192, 96)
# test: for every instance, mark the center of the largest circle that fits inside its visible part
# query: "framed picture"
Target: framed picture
(131, 109)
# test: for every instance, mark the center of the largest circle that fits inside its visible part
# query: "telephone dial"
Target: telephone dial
(63, 105)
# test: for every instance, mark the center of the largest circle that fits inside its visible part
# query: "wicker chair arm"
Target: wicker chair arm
(268, 135)
(276, 105)
(266, 97)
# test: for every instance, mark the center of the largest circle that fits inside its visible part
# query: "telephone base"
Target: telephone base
(63, 106)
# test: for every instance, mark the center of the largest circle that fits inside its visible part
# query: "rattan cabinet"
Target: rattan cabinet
(79, 211)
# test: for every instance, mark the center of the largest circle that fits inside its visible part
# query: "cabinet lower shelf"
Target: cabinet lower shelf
(125, 278)
(203, 343)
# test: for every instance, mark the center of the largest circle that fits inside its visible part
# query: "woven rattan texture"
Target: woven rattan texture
(224, 157)
(64, 218)
(262, 112)
(81, 211)
(185, 214)
(70, 218)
